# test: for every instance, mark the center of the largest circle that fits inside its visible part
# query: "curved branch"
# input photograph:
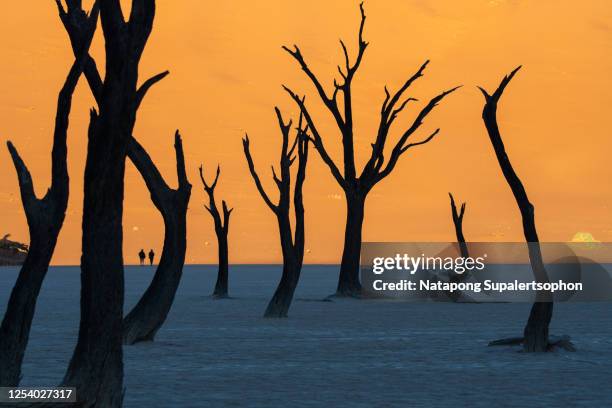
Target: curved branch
(262, 192)
(144, 88)
(156, 184)
(26, 184)
(59, 166)
(149, 314)
(489, 115)
(426, 140)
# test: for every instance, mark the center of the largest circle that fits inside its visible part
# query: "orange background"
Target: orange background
(227, 68)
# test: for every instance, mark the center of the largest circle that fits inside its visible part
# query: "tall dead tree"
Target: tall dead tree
(356, 187)
(292, 246)
(536, 330)
(221, 230)
(145, 319)
(458, 222)
(96, 367)
(45, 217)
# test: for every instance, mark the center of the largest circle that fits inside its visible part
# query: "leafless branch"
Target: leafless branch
(426, 140)
(500, 89)
(330, 103)
(316, 137)
(144, 88)
(211, 187)
(262, 192)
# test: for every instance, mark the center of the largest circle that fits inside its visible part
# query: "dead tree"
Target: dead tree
(292, 246)
(96, 367)
(45, 217)
(535, 336)
(356, 187)
(145, 319)
(458, 222)
(463, 249)
(221, 230)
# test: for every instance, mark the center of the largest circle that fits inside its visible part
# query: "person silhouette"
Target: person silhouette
(142, 257)
(151, 256)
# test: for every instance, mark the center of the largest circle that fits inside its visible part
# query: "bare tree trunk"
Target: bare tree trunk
(96, 367)
(536, 329)
(292, 266)
(45, 219)
(221, 230)
(15, 329)
(292, 246)
(221, 285)
(348, 282)
(149, 314)
(280, 303)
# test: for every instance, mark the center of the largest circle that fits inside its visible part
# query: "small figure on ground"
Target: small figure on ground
(151, 256)
(142, 256)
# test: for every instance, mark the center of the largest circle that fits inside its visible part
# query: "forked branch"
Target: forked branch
(220, 223)
(402, 146)
(457, 215)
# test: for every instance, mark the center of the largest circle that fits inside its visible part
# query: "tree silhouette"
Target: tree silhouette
(356, 187)
(149, 314)
(458, 222)
(221, 230)
(96, 367)
(292, 246)
(45, 217)
(463, 249)
(145, 319)
(536, 330)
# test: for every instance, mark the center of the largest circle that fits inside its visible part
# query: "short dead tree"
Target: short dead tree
(221, 230)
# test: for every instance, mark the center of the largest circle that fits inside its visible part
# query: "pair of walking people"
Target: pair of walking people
(142, 256)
